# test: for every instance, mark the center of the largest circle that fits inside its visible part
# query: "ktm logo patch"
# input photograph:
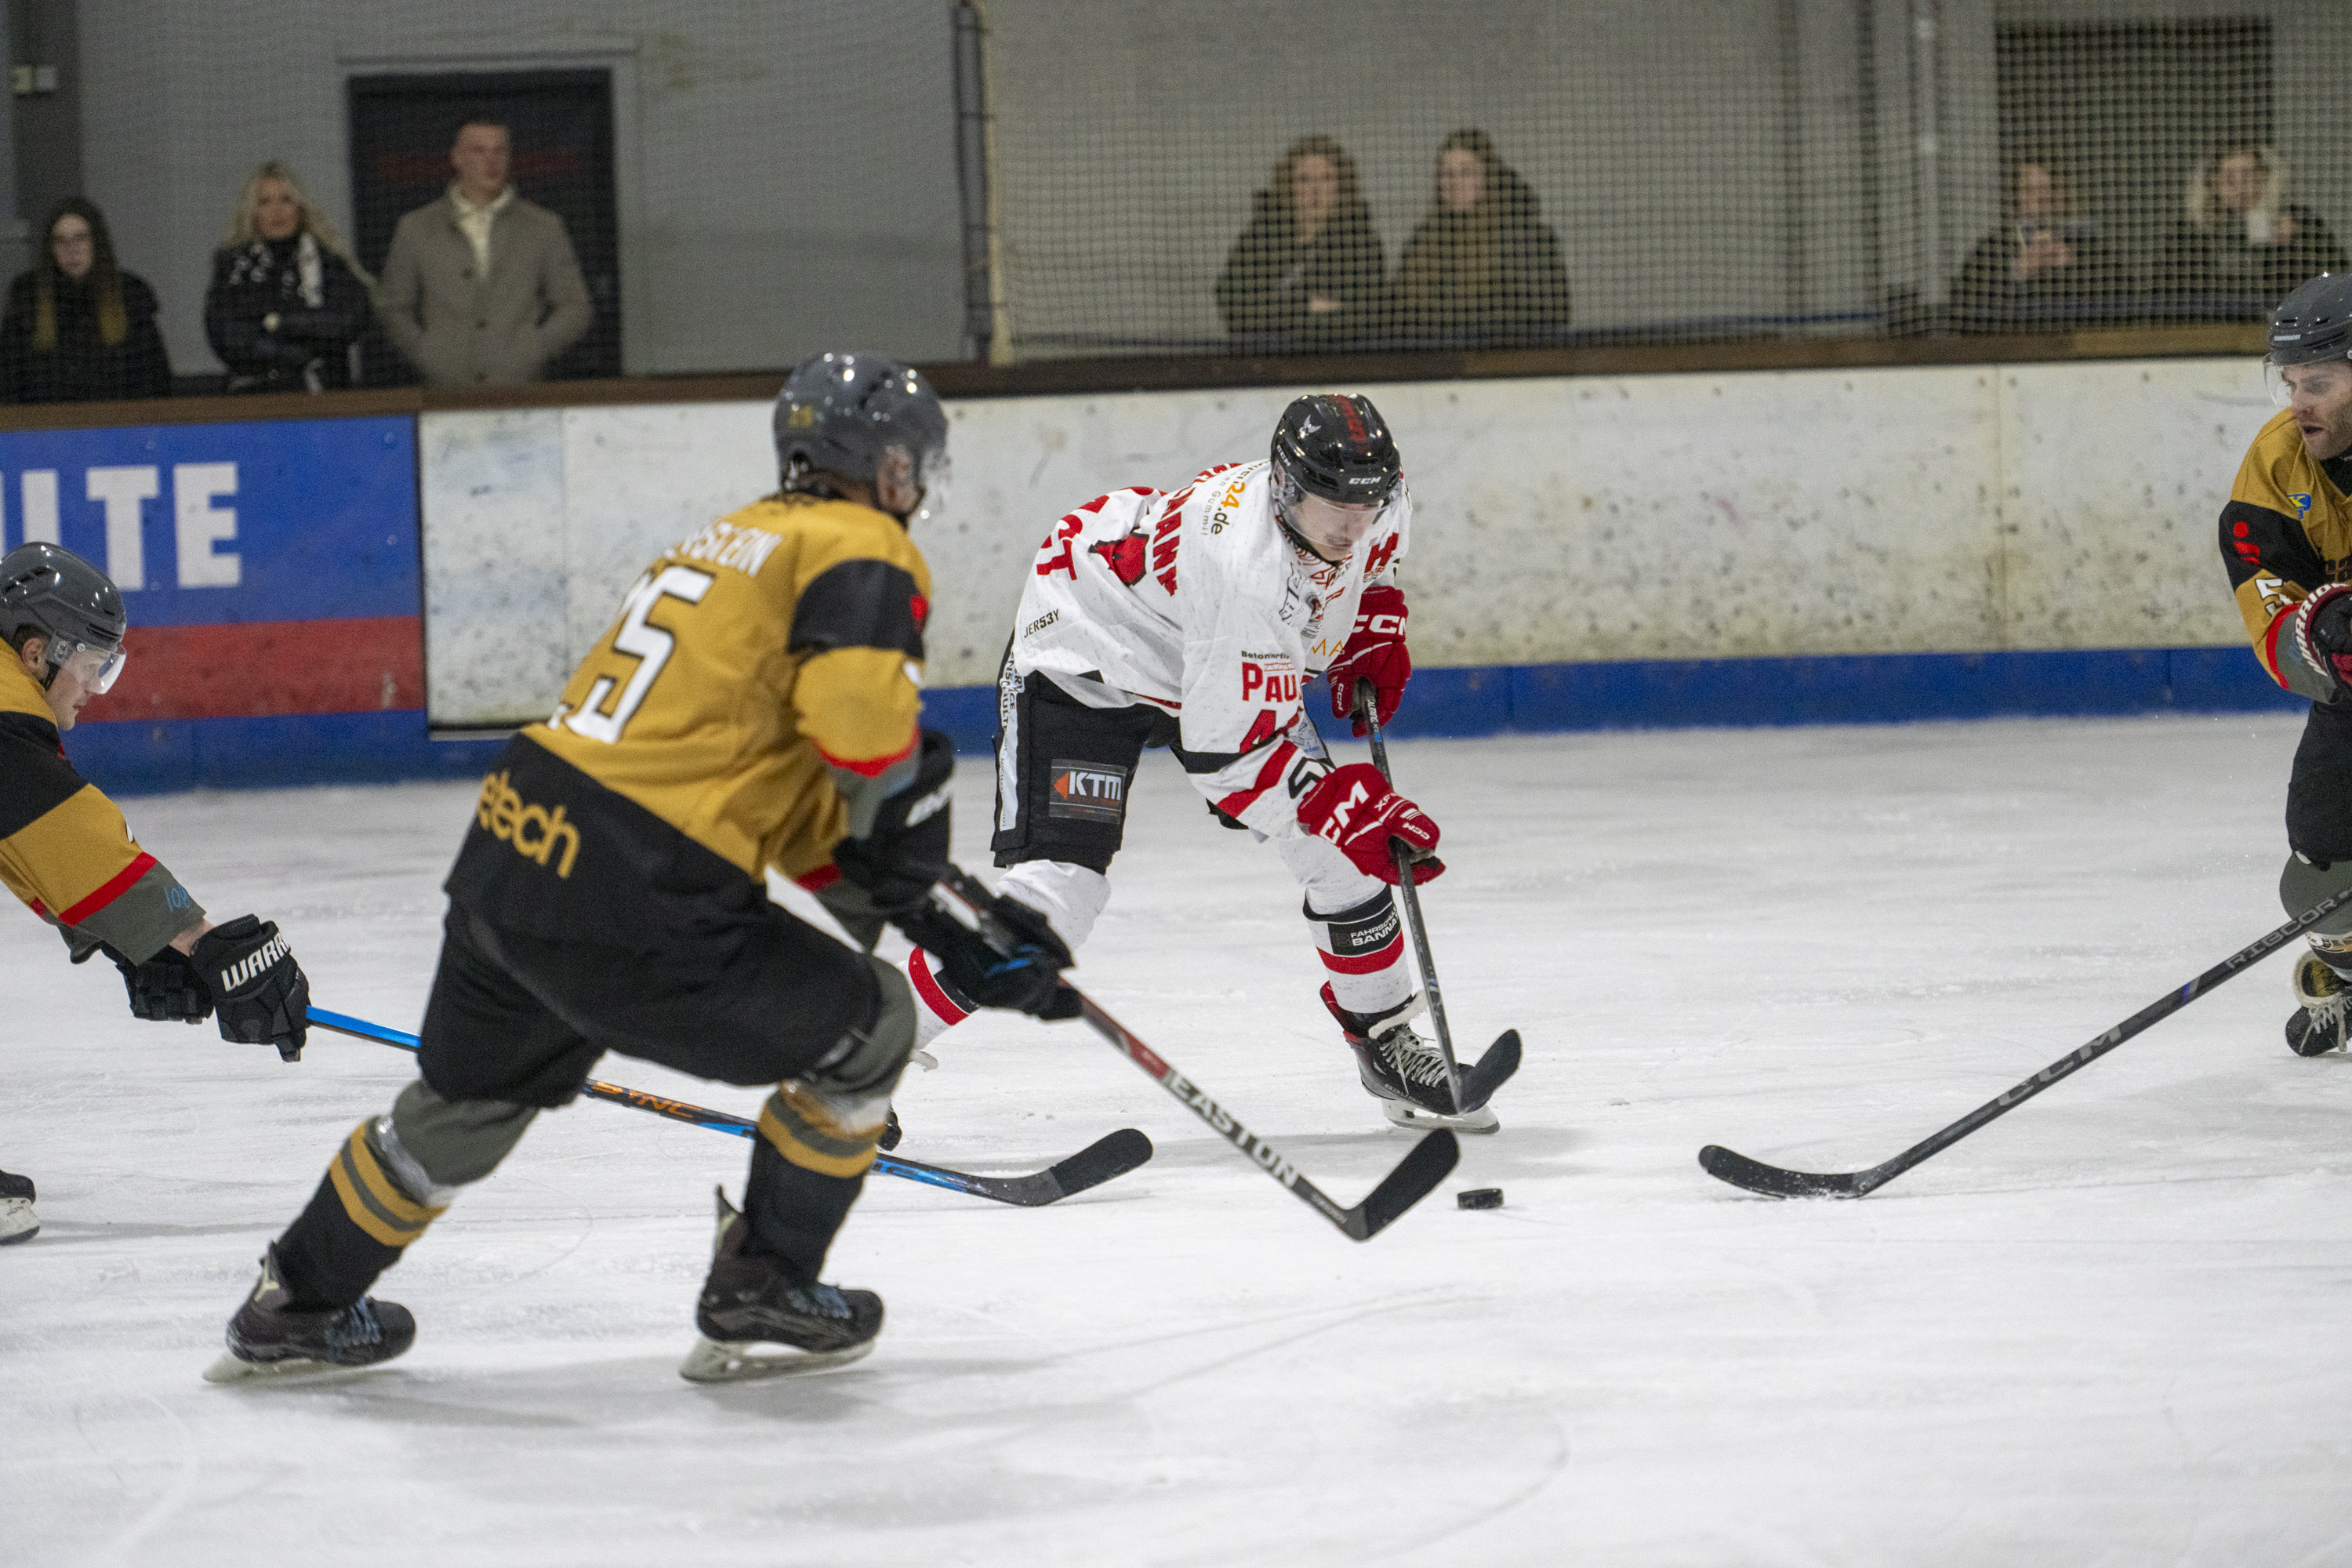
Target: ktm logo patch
(1088, 791)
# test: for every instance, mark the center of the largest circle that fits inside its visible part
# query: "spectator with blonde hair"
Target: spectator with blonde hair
(2239, 240)
(1483, 265)
(78, 328)
(288, 299)
(1309, 263)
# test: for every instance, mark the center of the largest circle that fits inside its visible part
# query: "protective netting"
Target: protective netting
(740, 183)
(1175, 178)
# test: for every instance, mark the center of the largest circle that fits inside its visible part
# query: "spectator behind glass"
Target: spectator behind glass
(1483, 264)
(2240, 241)
(78, 328)
(287, 299)
(2045, 259)
(1311, 262)
(482, 285)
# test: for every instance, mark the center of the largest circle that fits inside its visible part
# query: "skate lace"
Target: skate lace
(355, 1325)
(1414, 1059)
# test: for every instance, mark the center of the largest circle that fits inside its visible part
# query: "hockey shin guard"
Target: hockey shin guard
(1363, 949)
(393, 1177)
(807, 1169)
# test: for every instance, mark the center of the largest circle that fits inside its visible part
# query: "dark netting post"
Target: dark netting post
(971, 179)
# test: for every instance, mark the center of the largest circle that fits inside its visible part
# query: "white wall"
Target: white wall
(787, 171)
(1606, 518)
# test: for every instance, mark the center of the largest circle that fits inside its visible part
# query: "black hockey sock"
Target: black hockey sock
(356, 1226)
(795, 1212)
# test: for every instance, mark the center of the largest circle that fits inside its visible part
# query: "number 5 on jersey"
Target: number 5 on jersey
(646, 643)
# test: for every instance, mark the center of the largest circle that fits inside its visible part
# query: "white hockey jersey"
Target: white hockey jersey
(1198, 604)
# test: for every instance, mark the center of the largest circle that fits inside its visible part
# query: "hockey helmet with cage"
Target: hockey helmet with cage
(1335, 445)
(2312, 325)
(842, 413)
(48, 590)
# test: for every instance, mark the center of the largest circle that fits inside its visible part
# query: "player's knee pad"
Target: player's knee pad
(829, 1118)
(434, 1146)
(1325, 874)
(1071, 897)
(2303, 883)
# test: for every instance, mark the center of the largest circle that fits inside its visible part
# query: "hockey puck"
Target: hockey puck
(1479, 1198)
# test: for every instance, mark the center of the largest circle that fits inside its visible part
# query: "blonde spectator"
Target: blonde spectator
(288, 299)
(2240, 242)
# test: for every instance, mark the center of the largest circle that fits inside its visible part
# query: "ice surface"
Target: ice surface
(2109, 1329)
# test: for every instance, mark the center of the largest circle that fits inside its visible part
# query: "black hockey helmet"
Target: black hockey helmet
(2311, 325)
(1335, 445)
(47, 589)
(839, 413)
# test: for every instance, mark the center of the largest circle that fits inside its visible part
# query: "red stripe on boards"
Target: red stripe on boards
(262, 668)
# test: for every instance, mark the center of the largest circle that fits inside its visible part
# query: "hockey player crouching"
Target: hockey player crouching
(2286, 538)
(66, 851)
(1189, 621)
(754, 704)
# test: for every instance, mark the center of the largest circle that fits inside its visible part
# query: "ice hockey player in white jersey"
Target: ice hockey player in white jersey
(1189, 621)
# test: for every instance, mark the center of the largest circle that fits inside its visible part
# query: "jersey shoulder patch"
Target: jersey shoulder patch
(861, 603)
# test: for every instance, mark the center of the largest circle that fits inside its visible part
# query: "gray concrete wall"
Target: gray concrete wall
(787, 170)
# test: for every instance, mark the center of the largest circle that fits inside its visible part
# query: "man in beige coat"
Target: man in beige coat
(482, 285)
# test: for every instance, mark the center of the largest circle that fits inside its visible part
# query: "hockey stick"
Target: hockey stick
(1424, 1166)
(1773, 1182)
(1474, 1089)
(1091, 1166)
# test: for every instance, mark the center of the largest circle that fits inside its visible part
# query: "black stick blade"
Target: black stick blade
(1492, 1071)
(1432, 1159)
(1105, 1159)
(1771, 1181)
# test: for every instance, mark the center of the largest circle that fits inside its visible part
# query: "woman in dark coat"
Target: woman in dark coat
(79, 329)
(286, 300)
(2240, 246)
(1310, 264)
(1483, 265)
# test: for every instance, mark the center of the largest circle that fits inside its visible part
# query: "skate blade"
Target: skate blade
(16, 1221)
(718, 1360)
(1413, 1119)
(231, 1368)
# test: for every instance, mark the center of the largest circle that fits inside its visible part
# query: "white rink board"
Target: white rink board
(1906, 511)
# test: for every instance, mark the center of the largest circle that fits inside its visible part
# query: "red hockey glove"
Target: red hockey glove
(2322, 629)
(1355, 809)
(1375, 652)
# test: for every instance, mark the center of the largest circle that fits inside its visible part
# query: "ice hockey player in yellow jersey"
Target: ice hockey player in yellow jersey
(754, 705)
(2286, 537)
(67, 853)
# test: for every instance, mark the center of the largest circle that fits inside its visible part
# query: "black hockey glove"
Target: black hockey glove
(260, 992)
(165, 987)
(1015, 960)
(908, 849)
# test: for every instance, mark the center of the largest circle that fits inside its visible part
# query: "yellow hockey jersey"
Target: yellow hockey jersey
(65, 850)
(2285, 533)
(755, 698)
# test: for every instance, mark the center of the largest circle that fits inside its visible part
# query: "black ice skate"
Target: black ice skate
(2322, 1000)
(270, 1337)
(1404, 1071)
(759, 1321)
(17, 1221)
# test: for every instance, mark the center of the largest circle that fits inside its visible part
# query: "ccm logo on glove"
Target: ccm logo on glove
(1355, 808)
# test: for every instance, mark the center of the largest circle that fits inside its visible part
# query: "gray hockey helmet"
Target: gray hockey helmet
(839, 413)
(48, 589)
(2312, 325)
(2314, 322)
